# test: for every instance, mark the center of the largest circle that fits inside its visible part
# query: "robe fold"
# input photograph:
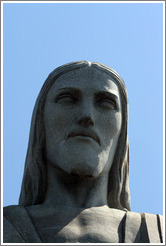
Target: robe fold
(18, 227)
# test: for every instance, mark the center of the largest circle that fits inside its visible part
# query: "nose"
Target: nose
(86, 122)
(86, 118)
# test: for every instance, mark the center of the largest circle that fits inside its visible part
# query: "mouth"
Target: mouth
(88, 134)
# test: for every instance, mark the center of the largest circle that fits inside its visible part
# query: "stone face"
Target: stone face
(75, 184)
(85, 107)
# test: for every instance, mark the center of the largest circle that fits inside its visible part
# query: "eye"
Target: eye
(66, 98)
(107, 103)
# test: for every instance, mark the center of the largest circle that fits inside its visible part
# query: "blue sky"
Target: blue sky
(128, 37)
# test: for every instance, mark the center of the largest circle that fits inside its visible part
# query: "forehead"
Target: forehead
(86, 79)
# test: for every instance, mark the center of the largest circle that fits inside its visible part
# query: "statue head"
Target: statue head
(52, 132)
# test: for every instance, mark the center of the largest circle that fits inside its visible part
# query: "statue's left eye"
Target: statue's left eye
(107, 103)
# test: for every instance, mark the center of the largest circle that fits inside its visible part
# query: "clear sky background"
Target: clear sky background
(128, 37)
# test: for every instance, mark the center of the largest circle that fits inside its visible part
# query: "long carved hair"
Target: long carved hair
(34, 184)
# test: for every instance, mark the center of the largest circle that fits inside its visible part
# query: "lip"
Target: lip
(90, 134)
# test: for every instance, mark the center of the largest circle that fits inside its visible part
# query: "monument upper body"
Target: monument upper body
(75, 185)
(43, 224)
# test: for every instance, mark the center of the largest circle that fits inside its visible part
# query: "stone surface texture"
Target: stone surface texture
(75, 186)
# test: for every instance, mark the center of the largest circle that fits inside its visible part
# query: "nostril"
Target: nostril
(86, 121)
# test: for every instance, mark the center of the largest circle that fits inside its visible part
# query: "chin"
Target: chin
(85, 169)
(82, 163)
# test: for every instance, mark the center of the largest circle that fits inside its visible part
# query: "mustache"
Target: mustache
(85, 133)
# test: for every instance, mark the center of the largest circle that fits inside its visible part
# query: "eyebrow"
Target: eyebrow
(108, 94)
(68, 88)
(96, 93)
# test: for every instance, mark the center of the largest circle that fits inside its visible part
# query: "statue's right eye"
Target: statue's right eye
(66, 98)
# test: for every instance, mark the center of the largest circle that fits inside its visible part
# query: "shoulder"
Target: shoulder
(14, 213)
(17, 225)
(11, 216)
(143, 227)
(154, 224)
(10, 210)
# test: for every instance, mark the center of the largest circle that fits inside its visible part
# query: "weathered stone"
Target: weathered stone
(75, 185)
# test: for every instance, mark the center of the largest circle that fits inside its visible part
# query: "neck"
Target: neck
(74, 190)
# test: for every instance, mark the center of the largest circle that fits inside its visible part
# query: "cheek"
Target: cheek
(111, 127)
(57, 122)
(116, 122)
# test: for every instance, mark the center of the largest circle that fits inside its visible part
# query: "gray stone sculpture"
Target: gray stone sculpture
(75, 184)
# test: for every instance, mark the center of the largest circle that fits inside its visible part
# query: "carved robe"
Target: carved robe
(137, 228)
